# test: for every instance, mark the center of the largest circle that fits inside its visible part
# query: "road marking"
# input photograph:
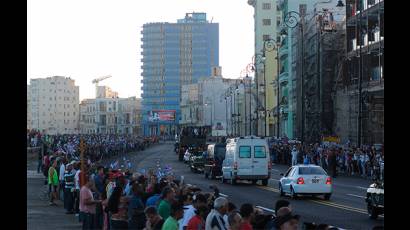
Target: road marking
(328, 203)
(356, 196)
(269, 189)
(274, 179)
(361, 187)
(266, 209)
(275, 170)
(224, 195)
(340, 206)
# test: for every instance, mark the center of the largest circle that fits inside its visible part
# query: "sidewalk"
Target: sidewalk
(42, 216)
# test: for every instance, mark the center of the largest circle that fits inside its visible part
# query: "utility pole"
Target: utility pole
(82, 148)
(359, 118)
(302, 79)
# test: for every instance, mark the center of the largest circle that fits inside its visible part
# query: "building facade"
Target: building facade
(29, 125)
(111, 116)
(267, 17)
(360, 88)
(53, 105)
(106, 92)
(288, 63)
(174, 54)
(204, 103)
(317, 56)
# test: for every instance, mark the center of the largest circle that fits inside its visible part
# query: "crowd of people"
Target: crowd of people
(366, 161)
(116, 198)
(96, 148)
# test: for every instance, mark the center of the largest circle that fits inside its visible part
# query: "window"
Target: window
(266, 37)
(311, 171)
(266, 6)
(245, 152)
(287, 172)
(266, 22)
(259, 152)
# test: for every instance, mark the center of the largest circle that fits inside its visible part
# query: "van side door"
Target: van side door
(260, 161)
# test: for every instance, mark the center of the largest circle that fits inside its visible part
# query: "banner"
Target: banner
(161, 115)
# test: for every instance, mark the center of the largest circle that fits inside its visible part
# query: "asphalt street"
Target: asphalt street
(345, 209)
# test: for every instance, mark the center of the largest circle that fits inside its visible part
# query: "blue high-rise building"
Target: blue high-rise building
(174, 54)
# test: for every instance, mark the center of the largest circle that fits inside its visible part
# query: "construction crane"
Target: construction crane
(95, 81)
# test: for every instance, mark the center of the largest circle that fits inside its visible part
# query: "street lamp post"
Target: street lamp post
(291, 20)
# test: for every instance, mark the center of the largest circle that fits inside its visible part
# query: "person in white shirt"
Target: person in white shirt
(61, 178)
(77, 188)
(294, 156)
(214, 220)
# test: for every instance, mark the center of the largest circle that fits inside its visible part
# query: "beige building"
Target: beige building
(106, 92)
(267, 18)
(111, 115)
(53, 105)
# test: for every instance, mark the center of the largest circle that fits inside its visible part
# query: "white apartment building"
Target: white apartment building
(106, 92)
(204, 104)
(53, 105)
(111, 115)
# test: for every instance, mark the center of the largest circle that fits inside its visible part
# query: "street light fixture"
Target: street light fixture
(340, 4)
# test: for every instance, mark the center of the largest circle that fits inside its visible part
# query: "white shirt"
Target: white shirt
(188, 214)
(62, 170)
(77, 179)
(294, 154)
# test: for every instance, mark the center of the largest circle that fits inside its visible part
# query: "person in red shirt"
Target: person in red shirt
(197, 222)
(247, 213)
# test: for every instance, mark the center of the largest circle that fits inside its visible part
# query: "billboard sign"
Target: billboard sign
(161, 115)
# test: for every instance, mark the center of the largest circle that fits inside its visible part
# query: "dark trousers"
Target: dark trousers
(119, 224)
(99, 217)
(39, 166)
(68, 200)
(88, 221)
(77, 201)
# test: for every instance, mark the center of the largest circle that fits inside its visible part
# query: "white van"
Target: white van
(247, 158)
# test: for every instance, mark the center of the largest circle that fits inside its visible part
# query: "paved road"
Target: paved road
(346, 208)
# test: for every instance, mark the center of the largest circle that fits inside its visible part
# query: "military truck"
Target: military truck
(191, 137)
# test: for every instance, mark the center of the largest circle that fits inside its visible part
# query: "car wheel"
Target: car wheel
(265, 182)
(223, 179)
(281, 193)
(327, 196)
(372, 212)
(254, 182)
(293, 195)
